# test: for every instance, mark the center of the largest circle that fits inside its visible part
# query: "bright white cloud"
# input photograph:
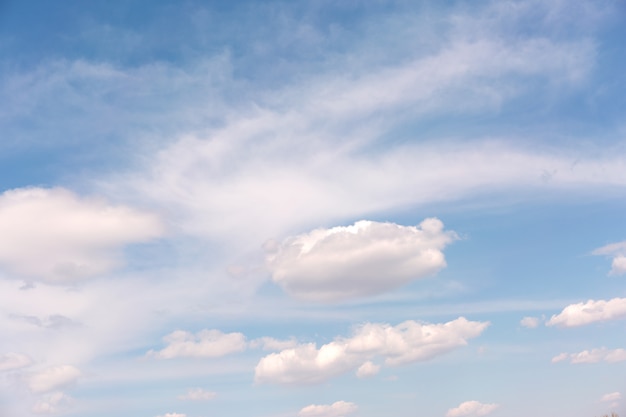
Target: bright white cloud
(336, 409)
(364, 259)
(590, 312)
(613, 396)
(593, 356)
(53, 378)
(471, 408)
(405, 343)
(618, 252)
(204, 344)
(13, 360)
(367, 369)
(56, 236)
(198, 394)
(52, 403)
(530, 322)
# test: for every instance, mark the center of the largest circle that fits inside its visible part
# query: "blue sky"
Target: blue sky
(312, 209)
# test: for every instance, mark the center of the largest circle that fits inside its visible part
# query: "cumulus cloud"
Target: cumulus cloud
(590, 312)
(593, 356)
(53, 378)
(471, 408)
(363, 259)
(618, 252)
(368, 369)
(52, 403)
(336, 409)
(197, 394)
(57, 236)
(397, 345)
(204, 344)
(613, 396)
(14, 360)
(530, 322)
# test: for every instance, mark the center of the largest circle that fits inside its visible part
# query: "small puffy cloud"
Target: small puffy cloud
(529, 322)
(336, 409)
(471, 408)
(613, 396)
(52, 403)
(173, 415)
(53, 378)
(405, 343)
(590, 312)
(366, 258)
(204, 344)
(13, 360)
(55, 236)
(593, 356)
(198, 394)
(367, 369)
(618, 252)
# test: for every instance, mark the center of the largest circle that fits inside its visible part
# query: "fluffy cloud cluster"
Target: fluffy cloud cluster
(618, 252)
(593, 356)
(336, 409)
(397, 345)
(56, 236)
(204, 344)
(198, 394)
(471, 408)
(366, 258)
(590, 312)
(13, 360)
(53, 378)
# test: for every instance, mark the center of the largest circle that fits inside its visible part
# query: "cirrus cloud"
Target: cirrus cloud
(363, 259)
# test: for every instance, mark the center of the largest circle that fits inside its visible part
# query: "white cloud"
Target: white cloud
(366, 258)
(590, 312)
(52, 403)
(367, 369)
(56, 236)
(471, 408)
(204, 344)
(337, 409)
(269, 343)
(593, 356)
(530, 322)
(618, 251)
(53, 378)
(198, 394)
(173, 415)
(13, 360)
(405, 343)
(613, 396)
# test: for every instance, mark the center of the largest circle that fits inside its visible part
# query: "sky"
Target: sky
(312, 208)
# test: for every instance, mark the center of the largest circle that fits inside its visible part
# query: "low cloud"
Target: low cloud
(56, 236)
(530, 322)
(12, 360)
(337, 409)
(197, 394)
(52, 403)
(618, 252)
(614, 396)
(53, 378)
(471, 408)
(590, 312)
(364, 259)
(398, 345)
(367, 369)
(204, 344)
(173, 415)
(593, 356)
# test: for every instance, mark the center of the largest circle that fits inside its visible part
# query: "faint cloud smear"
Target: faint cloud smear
(12, 360)
(618, 252)
(530, 322)
(337, 409)
(53, 378)
(204, 344)
(613, 396)
(593, 356)
(471, 408)
(367, 369)
(198, 394)
(363, 259)
(52, 403)
(592, 311)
